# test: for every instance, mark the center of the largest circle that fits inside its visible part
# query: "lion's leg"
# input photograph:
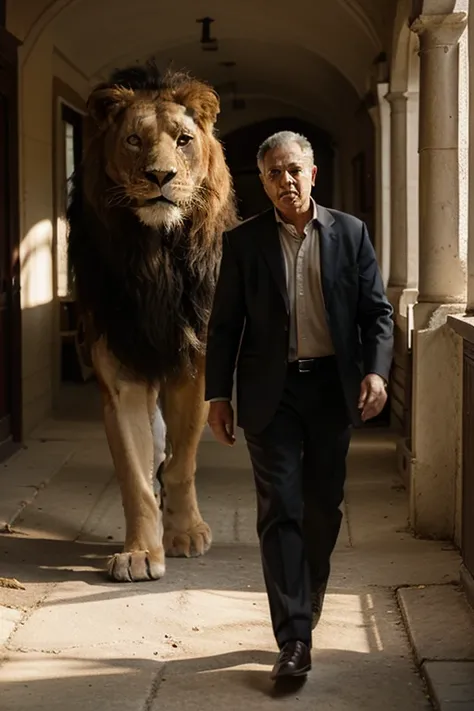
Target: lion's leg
(185, 413)
(159, 445)
(127, 408)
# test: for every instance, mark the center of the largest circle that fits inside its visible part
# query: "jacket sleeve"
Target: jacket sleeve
(226, 325)
(374, 313)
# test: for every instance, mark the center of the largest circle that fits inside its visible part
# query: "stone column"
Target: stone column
(437, 351)
(442, 274)
(470, 244)
(402, 284)
(398, 186)
(413, 101)
(403, 281)
(380, 114)
(385, 173)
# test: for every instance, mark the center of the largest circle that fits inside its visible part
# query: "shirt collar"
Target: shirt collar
(288, 226)
(279, 218)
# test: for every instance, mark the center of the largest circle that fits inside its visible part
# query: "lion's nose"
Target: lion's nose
(160, 177)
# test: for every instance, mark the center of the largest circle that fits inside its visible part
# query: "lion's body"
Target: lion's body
(148, 209)
(146, 297)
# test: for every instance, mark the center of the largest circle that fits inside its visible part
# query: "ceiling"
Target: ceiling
(312, 61)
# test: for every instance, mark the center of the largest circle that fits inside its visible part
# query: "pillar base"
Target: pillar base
(402, 300)
(436, 442)
(432, 315)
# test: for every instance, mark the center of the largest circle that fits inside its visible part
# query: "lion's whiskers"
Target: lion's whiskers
(117, 200)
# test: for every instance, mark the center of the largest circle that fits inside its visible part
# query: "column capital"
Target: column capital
(398, 101)
(397, 98)
(439, 30)
(382, 91)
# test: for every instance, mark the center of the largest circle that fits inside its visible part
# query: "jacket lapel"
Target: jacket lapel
(329, 252)
(270, 244)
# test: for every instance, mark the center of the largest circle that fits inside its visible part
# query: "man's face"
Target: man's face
(288, 176)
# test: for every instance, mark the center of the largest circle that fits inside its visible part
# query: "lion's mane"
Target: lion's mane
(148, 291)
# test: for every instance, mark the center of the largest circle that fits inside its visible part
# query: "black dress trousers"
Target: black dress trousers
(299, 464)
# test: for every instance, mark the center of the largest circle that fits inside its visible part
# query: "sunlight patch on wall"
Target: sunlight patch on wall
(37, 265)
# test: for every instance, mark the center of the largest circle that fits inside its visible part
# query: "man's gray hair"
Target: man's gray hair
(280, 139)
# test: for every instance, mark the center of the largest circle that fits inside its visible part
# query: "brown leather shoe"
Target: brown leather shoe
(293, 660)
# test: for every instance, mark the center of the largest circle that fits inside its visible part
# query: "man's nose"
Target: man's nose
(286, 177)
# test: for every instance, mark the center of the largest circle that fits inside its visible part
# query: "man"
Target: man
(300, 308)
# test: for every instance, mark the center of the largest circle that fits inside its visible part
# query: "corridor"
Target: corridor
(381, 89)
(72, 640)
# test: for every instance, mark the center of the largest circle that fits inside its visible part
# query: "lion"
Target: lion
(149, 205)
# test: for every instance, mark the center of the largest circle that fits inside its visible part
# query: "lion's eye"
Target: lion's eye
(184, 139)
(134, 140)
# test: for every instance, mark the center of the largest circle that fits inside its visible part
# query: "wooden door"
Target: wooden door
(10, 310)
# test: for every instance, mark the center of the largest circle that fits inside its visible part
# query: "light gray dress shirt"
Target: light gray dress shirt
(309, 331)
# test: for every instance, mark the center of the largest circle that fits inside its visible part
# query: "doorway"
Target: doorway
(241, 151)
(10, 307)
(70, 152)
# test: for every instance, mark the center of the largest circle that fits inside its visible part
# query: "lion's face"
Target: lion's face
(156, 149)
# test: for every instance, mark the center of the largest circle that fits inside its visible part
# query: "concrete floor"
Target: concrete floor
(73, 640)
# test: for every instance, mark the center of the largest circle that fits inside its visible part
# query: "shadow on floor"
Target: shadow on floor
(45, 561)
(340, 680)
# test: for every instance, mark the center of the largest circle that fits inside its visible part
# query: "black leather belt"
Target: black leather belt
(309, 365)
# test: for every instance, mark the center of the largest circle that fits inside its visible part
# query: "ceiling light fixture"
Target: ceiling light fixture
(208, 43)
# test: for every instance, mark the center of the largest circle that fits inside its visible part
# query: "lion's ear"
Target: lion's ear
(202, 100)
(105, 103)
(209, 105)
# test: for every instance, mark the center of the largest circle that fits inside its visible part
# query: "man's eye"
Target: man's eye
(184, 139)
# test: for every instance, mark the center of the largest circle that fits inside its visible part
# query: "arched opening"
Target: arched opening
(241, 148)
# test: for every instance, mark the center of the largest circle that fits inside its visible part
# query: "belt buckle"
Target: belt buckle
(304, 365)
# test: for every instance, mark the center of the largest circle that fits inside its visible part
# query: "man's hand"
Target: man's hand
(221, 422)
(373, 396)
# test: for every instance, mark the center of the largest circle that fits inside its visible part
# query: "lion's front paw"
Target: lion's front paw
(130, 567)
(187, 543)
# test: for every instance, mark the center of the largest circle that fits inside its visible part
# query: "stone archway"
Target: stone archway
(241, 148)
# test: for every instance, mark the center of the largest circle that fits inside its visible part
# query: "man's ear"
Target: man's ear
(314, 173)
(105, 103)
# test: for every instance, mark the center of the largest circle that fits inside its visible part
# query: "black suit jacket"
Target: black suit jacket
(249, 324)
